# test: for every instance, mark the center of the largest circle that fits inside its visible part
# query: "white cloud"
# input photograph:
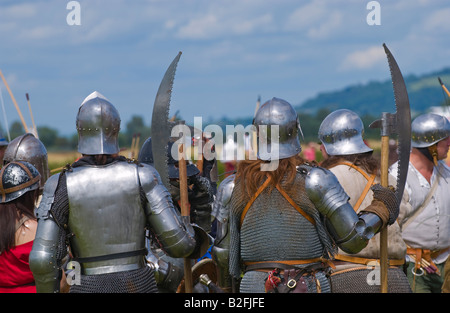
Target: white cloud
(19, 11)
(213, 25)
(316, 19)
(41, 32)
(438, 21)
(363, 59)
(306, 15)
(329, 25)
(200, 28)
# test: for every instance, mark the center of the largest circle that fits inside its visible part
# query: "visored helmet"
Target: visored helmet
(98, 125)
(277, 112)
(17, 178)
(341, 133)
(29, 149)
(428, 129)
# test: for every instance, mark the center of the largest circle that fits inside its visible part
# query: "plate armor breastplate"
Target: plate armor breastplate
(106, 216)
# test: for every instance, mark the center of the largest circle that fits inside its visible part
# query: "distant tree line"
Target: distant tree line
(136, 127)
(310, 124)
(54, 141)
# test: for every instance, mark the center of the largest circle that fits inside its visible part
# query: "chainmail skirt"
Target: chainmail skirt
(358, 280)
(137, 281)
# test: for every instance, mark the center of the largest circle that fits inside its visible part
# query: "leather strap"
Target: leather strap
(370, 181)
(285, 264)
(289, 199)
(257, 193)
(365, 261)
(283, 193)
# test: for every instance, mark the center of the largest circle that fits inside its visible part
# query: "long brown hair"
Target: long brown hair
(11, 212)
(249, 171)
(363, 160)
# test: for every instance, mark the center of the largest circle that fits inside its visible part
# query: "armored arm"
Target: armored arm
(178, 237)
(167, 274)
(43, 256)
(350, 230)
(201, 200)
(221, 248)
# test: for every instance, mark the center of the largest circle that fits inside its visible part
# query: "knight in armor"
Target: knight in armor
(348, 157)
(285, 222)
(169, 270)
(425, 223)
(100, 207)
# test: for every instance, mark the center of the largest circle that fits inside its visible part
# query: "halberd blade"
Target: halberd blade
(403, 122)
(161, 127)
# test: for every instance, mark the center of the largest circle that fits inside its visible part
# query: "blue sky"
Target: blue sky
(233, 52)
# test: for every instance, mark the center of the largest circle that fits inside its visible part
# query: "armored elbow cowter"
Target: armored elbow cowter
(43, 256)
(350, 230)
(178, 237)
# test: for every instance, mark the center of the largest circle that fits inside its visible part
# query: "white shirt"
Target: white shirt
(430, 229)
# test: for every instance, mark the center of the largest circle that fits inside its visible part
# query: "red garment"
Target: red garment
(15, 273)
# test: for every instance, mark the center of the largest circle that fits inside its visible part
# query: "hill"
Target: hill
(367, 100)
(424, 91)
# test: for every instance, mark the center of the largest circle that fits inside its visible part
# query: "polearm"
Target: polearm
(31, 114)
(384, 180)
(14, 101)
(136, 145)
(4, 115)
(161, 132)
(185, 213)
(443, 87)
(398, 123)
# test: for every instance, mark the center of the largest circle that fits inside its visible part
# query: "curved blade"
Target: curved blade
(161, 126)
(402, 121)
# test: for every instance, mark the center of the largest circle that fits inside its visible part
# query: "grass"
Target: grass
(57, 160)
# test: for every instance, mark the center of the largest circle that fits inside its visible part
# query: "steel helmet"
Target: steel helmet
(341, 133)
(29, 149)
(146, 152)
(277, 112)
(98, 125)
(428, 129)
(17, 178)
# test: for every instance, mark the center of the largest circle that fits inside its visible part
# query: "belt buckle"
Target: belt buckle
(291, 283)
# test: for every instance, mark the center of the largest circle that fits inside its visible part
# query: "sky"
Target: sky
(233, 51)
